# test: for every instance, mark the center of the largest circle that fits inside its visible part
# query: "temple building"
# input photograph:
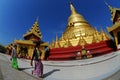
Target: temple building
(25, 47)
(80, 40)
(114, 30)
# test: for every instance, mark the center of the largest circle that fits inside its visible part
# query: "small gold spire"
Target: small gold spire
(52, 44)
(62, 37)
(108, 5)
(57, 45)
(37, 19)
(72, 8)
(56, 38)
(110, 8)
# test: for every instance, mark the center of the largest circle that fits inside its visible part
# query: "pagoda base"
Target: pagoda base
(74, 52)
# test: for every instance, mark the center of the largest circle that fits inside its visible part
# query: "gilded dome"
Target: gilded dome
(78, 32)
(77, 25)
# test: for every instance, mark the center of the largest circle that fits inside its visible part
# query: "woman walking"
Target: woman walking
(14, 56)
(38, 70)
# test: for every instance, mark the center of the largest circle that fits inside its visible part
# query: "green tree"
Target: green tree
(2, 49)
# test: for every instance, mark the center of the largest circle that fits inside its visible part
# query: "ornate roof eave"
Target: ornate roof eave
(114, 12)
(115, 26)
(29, 33)
(44, 44)
(28, 42)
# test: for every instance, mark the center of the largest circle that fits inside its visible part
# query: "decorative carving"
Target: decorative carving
(34, 31)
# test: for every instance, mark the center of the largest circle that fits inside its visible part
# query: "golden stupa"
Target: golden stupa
(78, 33)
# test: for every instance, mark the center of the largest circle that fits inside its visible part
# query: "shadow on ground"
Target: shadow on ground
(50, 72)
(21, 69)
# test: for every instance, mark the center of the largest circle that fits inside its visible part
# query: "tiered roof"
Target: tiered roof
(35, 30)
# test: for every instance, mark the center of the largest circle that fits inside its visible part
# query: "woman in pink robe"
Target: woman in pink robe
(38, 70)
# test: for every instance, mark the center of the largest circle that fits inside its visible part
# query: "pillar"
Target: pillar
(116, 38)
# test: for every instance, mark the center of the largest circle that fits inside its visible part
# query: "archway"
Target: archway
(23, 52)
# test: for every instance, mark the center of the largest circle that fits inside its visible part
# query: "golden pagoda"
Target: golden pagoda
(79, 35)
(25, 47)
(115, 29)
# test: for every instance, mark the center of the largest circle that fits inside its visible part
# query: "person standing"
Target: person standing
(14, 56)
(38, 70)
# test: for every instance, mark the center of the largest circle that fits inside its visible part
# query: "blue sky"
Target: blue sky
(17, 16)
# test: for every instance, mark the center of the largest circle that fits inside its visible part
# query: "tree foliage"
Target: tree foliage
(2, 49)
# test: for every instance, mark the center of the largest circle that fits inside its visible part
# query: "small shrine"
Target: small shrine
(114, 30)
(80, 40)
(25, 47)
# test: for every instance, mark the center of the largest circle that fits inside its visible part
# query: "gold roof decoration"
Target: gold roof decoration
(114, 14)
(112, 11)
(76, 25)
(67, 43)
(82, 41)
(34, 30)
(62, 37)
(75, 17)
(52, 44)
(104, 34)
(78, 32)
(57, 45)
(115, 26)
(28, 42)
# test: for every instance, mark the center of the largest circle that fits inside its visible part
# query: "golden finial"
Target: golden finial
(111, 9)
(108, 5)
(37, 19)
(57, 45)
(36, 22)
(52, 44)
(72, 8)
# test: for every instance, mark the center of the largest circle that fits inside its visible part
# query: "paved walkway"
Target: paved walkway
(96, 68)
(8, 73)
(1, 75)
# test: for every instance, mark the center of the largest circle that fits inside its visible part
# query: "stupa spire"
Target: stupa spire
(56, 38)
(76, 24)
(110, 8)
(72, 8)
(75, 17)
